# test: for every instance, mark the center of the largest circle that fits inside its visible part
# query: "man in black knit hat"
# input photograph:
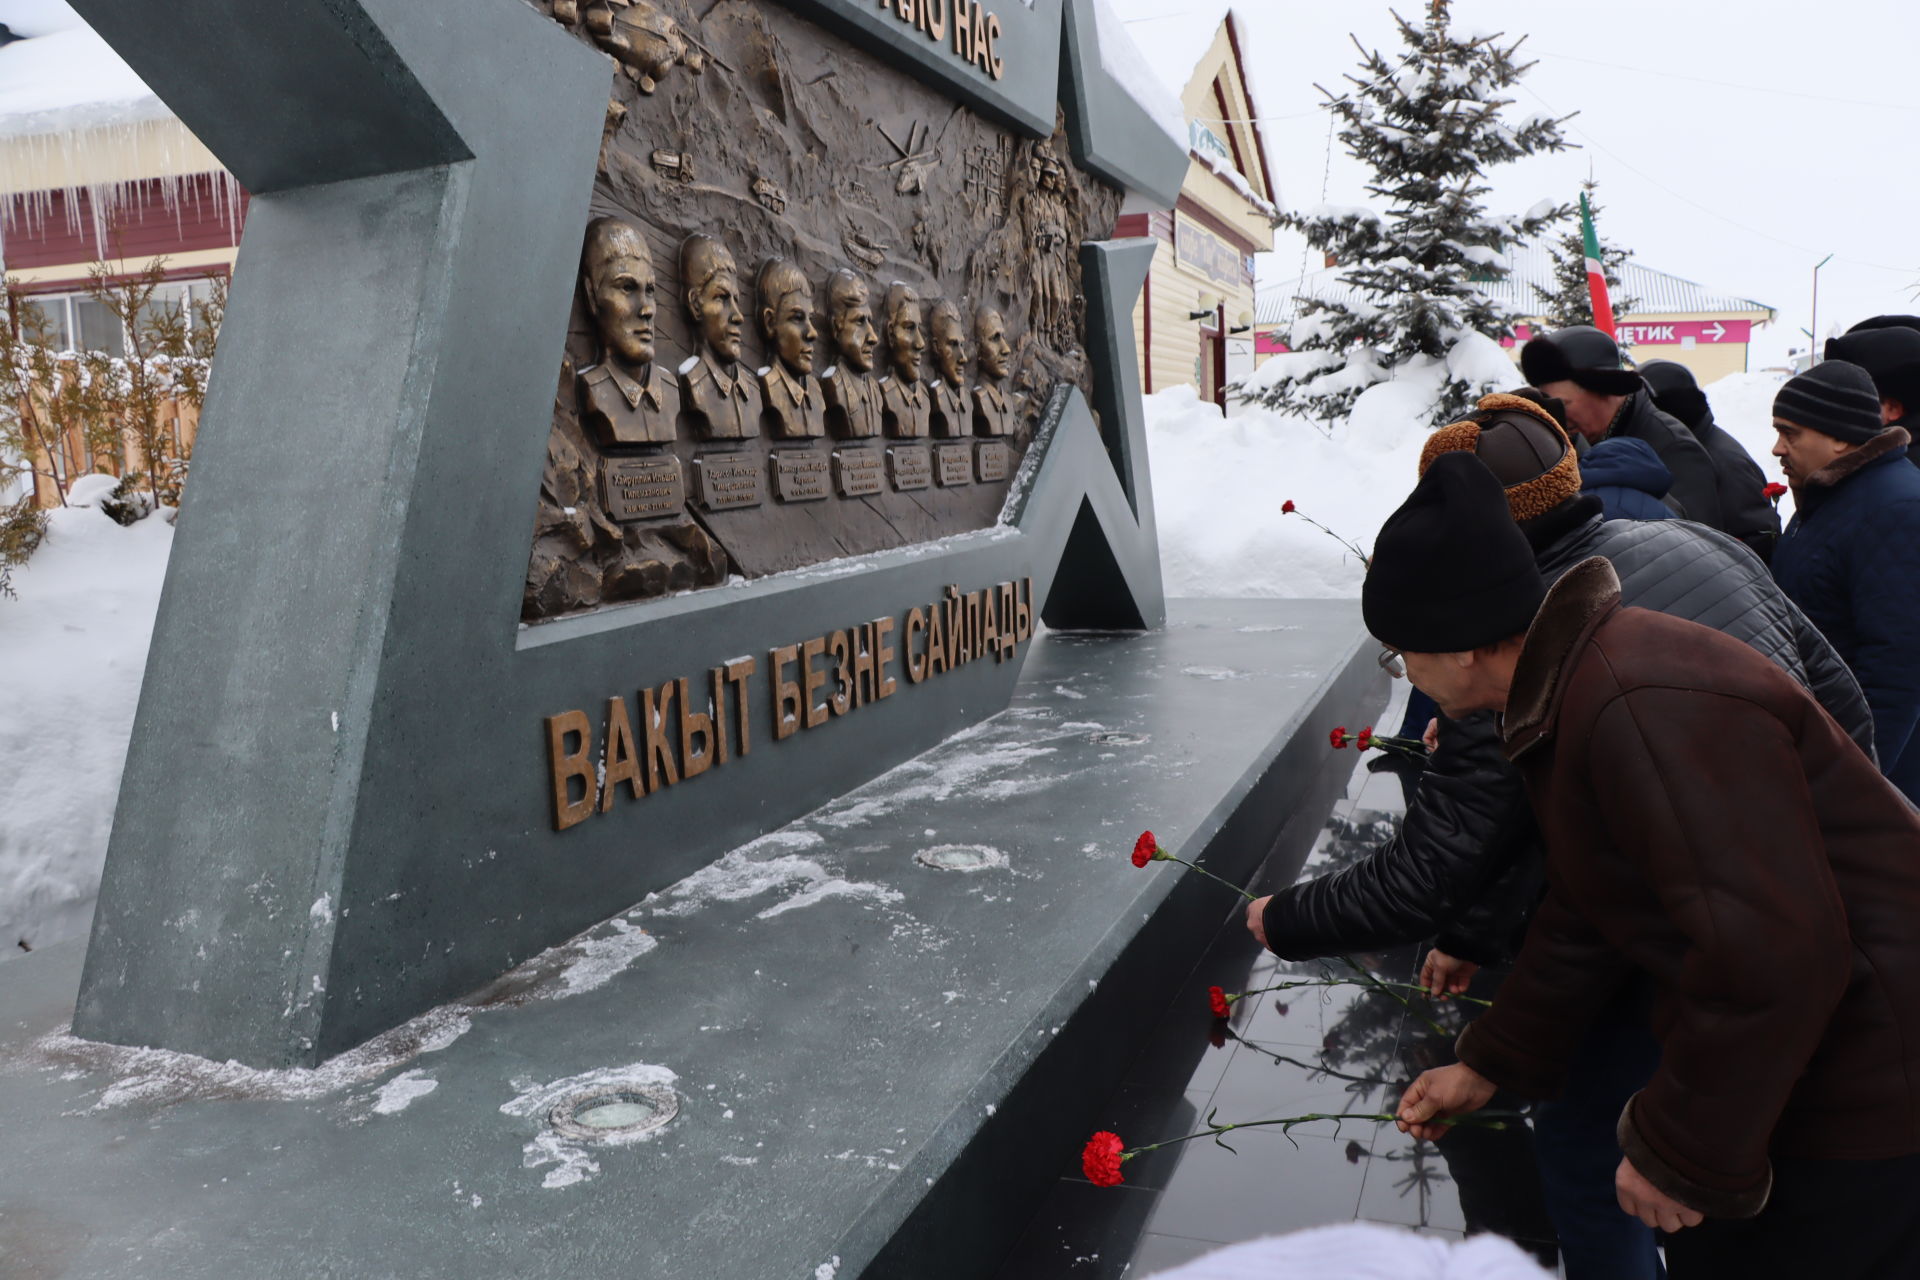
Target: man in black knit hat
(1466, 863)
(1745, 511)
(1851, 554)
(1713, 833)
(1888, 348)
(1581, 367)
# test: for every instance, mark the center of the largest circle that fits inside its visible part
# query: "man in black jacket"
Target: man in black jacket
(1888, 348)
(1581, 367)
(1467, 863)
(1745, 511)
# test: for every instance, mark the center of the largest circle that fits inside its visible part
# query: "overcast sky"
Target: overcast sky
(1736, 142)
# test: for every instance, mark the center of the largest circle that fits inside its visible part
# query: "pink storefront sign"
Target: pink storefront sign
(1673, 333)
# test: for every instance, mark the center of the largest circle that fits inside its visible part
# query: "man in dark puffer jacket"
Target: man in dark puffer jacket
(1581, 367)
(1745, 511)
(1468, 864)
(1851, 555)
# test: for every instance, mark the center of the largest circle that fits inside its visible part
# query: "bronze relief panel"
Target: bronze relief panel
(912, 298)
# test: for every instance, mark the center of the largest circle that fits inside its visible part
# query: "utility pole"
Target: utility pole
(1813, 345)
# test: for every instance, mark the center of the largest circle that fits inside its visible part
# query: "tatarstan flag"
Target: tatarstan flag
(1596, 276)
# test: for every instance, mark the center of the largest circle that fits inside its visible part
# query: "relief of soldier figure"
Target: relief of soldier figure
(852, 392)
(623, 398)
(796, 409)
(947, 332)
(717, 397)
(903, 397)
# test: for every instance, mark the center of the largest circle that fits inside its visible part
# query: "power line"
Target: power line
(1770, 91)
(1689, 200)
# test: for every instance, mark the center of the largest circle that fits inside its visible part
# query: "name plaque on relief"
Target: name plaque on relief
(993, 460)
(643, 488)
(910, 465)
(800, 475)
(724, 481)
(954, 464)
(859, 473)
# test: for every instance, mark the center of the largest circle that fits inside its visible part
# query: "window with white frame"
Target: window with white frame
(81, 322)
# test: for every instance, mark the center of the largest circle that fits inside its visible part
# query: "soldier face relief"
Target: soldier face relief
(906, 332)
(851, 319)
(949, 344)
(621, 291)
(995, 351)
(786, 316)
(713, 295)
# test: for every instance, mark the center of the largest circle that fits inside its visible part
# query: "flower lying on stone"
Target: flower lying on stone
(1146, 849)
(1339, 738)
(1218, 1002)
(1365, 739)
(1102, 1158)
(1104, 1153)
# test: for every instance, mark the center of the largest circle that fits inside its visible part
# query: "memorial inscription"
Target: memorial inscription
(801, 475)
(644, 488)
(858, 473)
(910, 466)
(727, 481)
(992, 461)
(808, 684)
(953, 464)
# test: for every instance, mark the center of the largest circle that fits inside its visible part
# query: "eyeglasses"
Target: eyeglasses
(1391, 662)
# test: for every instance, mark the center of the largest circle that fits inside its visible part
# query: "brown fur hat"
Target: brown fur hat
(1522, 445)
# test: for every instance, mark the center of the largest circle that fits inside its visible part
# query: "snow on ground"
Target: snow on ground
(1218, 485)
(73, 646)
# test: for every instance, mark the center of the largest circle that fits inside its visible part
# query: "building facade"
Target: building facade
(100, 182)
(1194, 323)
(1670, 318)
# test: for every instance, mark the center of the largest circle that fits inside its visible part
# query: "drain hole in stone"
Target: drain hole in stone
(960, 857)
(1112, 738)
(614, 1113)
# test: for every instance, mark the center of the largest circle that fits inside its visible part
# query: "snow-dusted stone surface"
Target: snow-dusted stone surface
(878, 1064)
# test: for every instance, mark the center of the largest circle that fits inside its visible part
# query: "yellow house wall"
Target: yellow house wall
(1173, 293)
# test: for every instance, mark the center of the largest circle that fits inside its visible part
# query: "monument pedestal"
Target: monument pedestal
(884, 1023)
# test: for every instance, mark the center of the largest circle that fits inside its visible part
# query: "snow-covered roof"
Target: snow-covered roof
(1653, 292)
(61, 77)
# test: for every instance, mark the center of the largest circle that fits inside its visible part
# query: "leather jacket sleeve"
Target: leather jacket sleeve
(1468, 818)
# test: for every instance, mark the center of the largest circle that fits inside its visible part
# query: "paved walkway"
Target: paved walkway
(1337, 1049)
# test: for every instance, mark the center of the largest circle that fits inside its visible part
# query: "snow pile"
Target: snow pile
(745, 873)
(1218, 485)
(74, 647)
(399, 1093)
(64, 77)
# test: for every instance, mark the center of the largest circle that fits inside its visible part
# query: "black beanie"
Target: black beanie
(1582, 355)
(1834, 398)
(1890, 353)
(1451, 571)
(1675, 393)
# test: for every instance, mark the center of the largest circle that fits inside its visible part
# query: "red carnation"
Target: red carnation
(1101, 1159)
(1365, 739)
(1774, 491)
(1286, 508)
(1338, 737)
(1144, 849)
(1218, 1002)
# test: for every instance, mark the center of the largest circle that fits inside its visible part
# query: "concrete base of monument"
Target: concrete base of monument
(884, 1026)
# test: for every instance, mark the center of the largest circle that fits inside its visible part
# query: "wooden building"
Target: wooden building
(1194, 322)
(96, 174)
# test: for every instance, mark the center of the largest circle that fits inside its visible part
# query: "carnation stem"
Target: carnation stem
(1161, 855)
(1367, 979)
(1351, 982)
(1486, 1119)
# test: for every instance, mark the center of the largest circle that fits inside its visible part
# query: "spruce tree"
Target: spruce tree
(1570, 301)
(1428, 124)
